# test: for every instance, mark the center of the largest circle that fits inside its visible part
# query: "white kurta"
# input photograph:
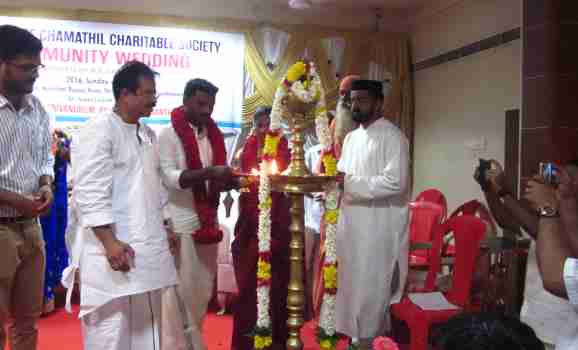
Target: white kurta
(117, 181)
(569, 341)
(196, 263)
(372, 234)
(552, 318)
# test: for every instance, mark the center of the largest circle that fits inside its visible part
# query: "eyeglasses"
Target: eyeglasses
(150, 94)
(28, 68)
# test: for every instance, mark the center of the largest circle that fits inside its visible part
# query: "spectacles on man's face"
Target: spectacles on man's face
(149, 94)
(27, 68)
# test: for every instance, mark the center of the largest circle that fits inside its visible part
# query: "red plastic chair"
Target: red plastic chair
(421, 228)
(424, 219)
(434, 196)
(468, 232)
(475, 208)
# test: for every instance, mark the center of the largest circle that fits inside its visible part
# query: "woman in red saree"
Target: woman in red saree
(245, 245)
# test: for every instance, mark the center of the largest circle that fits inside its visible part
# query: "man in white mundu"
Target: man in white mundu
(193, 158)
(123, 253)
(372, 234)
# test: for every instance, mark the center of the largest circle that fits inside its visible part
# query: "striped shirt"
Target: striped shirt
(25, 142)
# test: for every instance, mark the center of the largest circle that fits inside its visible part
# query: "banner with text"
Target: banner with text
(82, 57)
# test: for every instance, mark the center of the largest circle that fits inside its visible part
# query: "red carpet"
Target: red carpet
(61, 331)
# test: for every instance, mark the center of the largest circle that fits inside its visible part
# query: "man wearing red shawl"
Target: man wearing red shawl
(245, 246)
(193, 157)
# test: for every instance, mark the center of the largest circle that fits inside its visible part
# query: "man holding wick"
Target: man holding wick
(193, 168)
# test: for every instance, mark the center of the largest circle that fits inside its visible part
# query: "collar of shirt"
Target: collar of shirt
(200, 133)
(26, 105)
(141, 132)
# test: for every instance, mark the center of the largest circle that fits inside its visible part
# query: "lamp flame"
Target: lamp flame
(274, 169)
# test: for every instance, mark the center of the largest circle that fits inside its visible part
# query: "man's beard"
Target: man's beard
(360, 117)
(16, 87)
(343, 120)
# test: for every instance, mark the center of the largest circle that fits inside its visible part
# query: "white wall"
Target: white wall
(461, 24)
(464, 99)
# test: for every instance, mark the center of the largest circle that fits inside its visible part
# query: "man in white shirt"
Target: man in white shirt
(25, 187)
(549, 315)
(372, 233)
(123, 254)
(557, 247)
(193, 168)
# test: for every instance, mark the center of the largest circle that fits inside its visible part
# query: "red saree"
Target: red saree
(245, 253)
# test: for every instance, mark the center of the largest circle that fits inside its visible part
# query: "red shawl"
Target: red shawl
(206, 202)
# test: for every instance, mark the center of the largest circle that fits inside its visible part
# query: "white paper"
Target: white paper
(432, 301)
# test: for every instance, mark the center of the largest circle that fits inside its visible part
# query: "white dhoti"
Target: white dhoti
(117, 183)
(131, 322)
(197, 268)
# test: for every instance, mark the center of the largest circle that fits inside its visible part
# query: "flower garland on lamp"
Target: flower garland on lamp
(303, 82)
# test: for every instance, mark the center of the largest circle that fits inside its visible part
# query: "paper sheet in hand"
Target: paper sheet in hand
(432, 301)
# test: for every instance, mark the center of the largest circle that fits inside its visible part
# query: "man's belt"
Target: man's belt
(16, 220)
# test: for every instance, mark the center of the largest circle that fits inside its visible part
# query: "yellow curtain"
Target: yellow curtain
(395, 56)
(265, 80)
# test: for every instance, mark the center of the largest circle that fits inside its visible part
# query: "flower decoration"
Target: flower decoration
(301, 82)
(384, 343)
(330, 276)
(263, 269)
(329, 164)
(331, 216)
(272, 140)
(262, 338)
(295, 73)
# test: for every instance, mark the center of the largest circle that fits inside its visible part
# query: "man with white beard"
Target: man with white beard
(343, 121)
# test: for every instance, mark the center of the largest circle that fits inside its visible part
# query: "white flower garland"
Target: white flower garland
(264, 233)
(309, 91)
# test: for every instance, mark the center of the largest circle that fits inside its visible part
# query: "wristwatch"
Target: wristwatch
(548, 212)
